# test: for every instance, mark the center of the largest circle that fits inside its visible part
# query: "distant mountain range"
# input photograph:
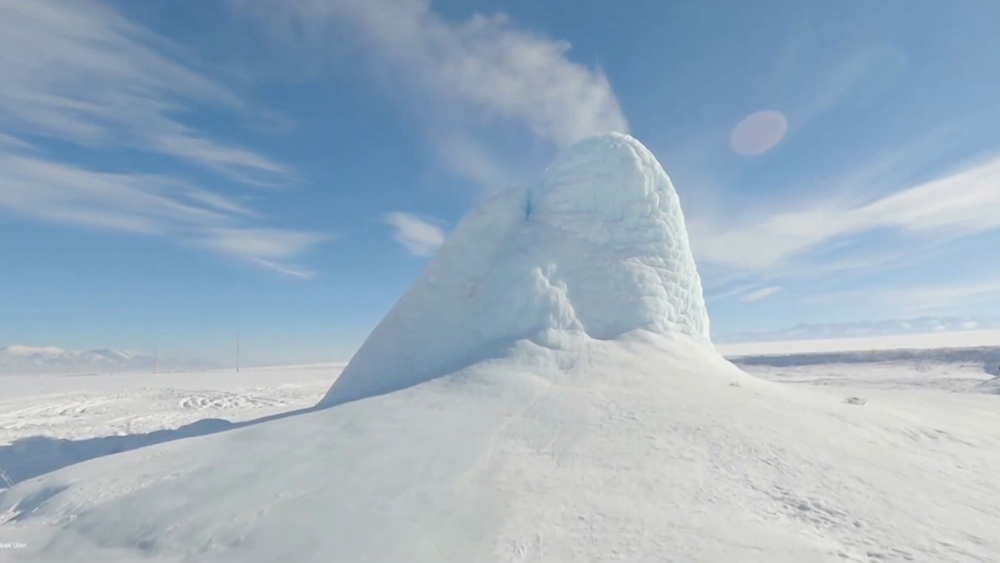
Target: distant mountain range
(20, 359)
(922, 325)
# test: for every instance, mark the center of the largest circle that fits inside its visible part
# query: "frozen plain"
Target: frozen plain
(560, 402)
(604, 467)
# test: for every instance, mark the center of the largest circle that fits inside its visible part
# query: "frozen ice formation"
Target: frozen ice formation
(597, 247)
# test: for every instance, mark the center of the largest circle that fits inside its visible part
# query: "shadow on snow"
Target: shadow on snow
(37, 455)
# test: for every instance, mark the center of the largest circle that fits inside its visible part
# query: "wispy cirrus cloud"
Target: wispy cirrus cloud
(419, 237)
(918, 299)
(139, 203)
(467, 78)
(790, 228)
(82, 73)
(880, 228)
(147, 204)
(11, 143)
(760, 294)
(267, 247)
(955, 205)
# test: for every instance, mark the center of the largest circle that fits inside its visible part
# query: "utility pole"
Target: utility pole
(237, 352)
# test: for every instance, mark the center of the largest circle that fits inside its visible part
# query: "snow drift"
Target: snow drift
(598, 248)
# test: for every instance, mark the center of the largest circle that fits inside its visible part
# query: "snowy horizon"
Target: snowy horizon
(174, 174)
(949, 330)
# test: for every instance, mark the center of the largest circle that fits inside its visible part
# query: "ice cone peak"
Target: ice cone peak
(598, 248)
(612, 178)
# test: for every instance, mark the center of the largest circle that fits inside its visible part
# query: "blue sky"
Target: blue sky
(174, 172)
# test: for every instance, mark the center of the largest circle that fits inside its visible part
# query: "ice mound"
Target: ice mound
(596, 249)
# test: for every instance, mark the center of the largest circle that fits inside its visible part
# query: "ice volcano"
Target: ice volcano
(546, 392)
(597, 248)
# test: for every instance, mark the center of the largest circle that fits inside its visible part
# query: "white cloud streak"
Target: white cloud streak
(148, 205)
(419, 237)
(729, 293)
(11, 143)
(760, 294)
(138, 203)
(267, 247)
(956, 205)
(79, 72)
(918, 299)
(471, 76)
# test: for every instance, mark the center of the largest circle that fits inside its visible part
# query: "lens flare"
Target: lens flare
(758, 133)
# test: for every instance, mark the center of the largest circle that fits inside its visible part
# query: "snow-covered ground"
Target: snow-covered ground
(957, 340)
(959, 361)
(528, 458)
(49, 421)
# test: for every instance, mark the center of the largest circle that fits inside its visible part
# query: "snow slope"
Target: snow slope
(645, 448)
(583, 417)
(598, 247)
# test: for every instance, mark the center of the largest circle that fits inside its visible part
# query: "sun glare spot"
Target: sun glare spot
(758, 133)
